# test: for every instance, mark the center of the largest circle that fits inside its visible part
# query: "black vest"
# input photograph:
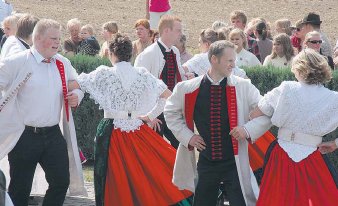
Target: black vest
(170, 68)
(212, 121)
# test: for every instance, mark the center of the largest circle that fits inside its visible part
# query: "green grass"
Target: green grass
(88, 172)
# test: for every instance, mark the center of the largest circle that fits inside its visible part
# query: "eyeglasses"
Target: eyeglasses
(315, 41)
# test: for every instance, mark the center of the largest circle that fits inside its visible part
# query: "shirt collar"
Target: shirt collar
(38, 57)
(167, 49)
(212, 81)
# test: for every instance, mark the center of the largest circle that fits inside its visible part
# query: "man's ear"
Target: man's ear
(213, 59)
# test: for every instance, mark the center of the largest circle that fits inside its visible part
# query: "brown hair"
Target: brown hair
(208, 36)
(285, 25)
(284, 40)
(238, 14)
(121, 47)
(167, 21)
(26, 25)
(110, 26)
(312, 67)
(89, 28)
(142, 22)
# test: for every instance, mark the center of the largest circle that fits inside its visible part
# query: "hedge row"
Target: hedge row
(88, 115)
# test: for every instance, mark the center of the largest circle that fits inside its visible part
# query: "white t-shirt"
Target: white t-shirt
(246, 58)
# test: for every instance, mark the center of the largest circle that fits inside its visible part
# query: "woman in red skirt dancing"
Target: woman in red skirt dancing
(296, 173)
(133, 164)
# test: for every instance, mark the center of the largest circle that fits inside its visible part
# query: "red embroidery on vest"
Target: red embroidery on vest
(232, 113)
(173, 74)
(215, 122)
(61, 69)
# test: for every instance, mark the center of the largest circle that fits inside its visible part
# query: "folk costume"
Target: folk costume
(18, 74)
(127, 150)
(164, 63)
(296, 173)
(225, 104)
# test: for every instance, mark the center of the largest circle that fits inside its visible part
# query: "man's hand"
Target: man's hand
(189, 75)
(198, 142)
(73, 99)
(327, 147)
(238, 133)
(255, 113)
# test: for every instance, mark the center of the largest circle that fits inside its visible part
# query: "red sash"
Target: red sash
(61, 69)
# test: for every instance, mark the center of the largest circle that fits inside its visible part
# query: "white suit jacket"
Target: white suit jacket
(12, 126)
(153, 60)
(185, 173)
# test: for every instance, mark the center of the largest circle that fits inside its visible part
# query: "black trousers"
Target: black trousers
(49, 149)
(167, 132)
(210, 175)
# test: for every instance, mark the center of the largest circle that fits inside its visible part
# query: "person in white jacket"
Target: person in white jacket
(34, 103)
(215, 102)
(162, 59)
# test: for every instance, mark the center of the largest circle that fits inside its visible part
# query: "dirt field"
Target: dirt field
(196, 14)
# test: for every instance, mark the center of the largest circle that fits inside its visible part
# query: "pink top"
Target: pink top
(159, 5)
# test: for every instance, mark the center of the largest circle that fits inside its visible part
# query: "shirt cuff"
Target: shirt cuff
(247, 133)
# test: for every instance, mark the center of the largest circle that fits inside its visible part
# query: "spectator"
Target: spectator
(264, 44)
(282, 52)
(239, 20)
(155, 9)
(218, 24)
(243, 57)
(108, 30)
(6, 9)
(71, 44)
(9, 25)
(314, 41)
(155, 36)
(23, 37)
(312, 22)
(89, 45)
(283, 26)
(143, 32)
(181, 46)
(298, 36)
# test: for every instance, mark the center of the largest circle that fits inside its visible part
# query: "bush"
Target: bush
(87, 115)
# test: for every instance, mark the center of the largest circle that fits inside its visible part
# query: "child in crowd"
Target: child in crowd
(238, 20)
(282, 52)
(218, 24)
(108, 30)
(283, 26)
(264, 43)
(9, 26)
(185, 55)
(89, 45)
(243, 57)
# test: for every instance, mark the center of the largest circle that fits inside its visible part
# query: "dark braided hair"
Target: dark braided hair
(121, 47)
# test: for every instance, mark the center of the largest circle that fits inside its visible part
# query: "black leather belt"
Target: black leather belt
(40, 130)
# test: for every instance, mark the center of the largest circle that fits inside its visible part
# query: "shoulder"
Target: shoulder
(189, 86)
(150, 49)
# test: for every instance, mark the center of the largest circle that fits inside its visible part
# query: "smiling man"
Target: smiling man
(35, 101)
(215, 103)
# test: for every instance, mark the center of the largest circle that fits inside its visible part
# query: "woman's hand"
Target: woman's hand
(155, 124)
(255, 113)
(327, 147)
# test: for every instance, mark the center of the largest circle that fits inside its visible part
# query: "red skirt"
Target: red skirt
(140, 169)
(305, 183)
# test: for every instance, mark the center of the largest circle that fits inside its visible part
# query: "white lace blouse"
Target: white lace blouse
(124, 92)
(303, 108)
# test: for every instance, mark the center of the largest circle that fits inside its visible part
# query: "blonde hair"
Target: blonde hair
(89, 28)
(284, 40)
(241, 33)
(218, 24)
(110, 26)
(73, 22)
(43, 25)
(312, 67)
(238, 14)
(167, 21)
(12, 20)
(285, 25)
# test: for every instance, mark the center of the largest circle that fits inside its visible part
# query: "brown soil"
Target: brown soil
(196, 14)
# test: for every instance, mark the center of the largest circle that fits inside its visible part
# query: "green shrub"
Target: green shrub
(87, 115)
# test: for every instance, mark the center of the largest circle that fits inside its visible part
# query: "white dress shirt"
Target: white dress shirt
(40, 99)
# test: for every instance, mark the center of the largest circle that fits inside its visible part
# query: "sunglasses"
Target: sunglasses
(315, 41)
(298, 29)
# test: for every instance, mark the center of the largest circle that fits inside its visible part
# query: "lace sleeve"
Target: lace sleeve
(101, 84)
(270, 100)
(154, 84)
